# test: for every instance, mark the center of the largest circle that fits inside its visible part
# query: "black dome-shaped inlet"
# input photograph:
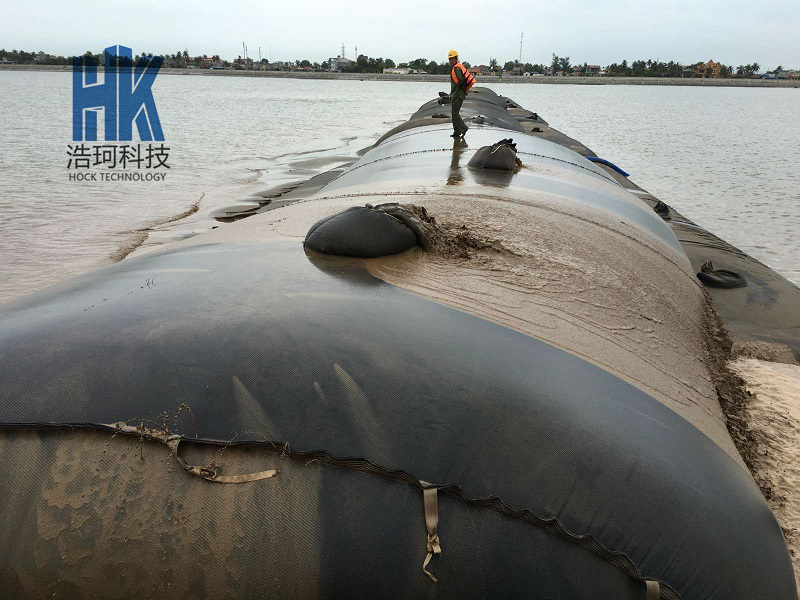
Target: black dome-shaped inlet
(501, 156)
(361, 232)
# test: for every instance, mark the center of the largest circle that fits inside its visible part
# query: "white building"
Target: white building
(339, 63)
(398, 70)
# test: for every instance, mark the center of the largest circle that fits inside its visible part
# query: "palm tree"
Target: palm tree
(566, 66)
(555, 65)
(493, 67)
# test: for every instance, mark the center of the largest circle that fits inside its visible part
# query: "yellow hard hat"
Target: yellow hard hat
(452, 54)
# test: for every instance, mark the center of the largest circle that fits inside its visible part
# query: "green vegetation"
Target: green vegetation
(365, 64)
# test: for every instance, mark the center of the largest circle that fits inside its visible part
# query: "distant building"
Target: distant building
(709, 69)
(475, 70)
(41, 57)
(5, 61)
(339, 63)
(203, 62)
(243, 63)
(397, 70)
(592, 70)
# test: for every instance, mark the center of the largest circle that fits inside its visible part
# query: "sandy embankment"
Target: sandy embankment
(773, 414)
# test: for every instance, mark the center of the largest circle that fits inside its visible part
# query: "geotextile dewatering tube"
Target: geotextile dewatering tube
(498, 383)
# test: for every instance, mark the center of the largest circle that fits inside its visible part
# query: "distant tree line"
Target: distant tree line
(30, 58)
(365, 64)
(654, 68)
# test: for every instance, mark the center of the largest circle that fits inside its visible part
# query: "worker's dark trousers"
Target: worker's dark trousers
(459, 127)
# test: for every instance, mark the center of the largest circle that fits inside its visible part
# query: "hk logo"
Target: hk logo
(124, 97)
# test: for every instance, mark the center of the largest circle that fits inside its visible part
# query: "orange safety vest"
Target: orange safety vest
(469, 78)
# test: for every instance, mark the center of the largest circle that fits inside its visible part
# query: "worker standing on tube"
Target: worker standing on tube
(461, 82)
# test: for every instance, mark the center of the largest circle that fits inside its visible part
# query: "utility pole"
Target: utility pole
(342, 49)
(520, 46)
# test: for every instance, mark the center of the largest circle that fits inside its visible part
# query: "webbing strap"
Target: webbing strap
(653, 590)
(209, 473)
(431, 504)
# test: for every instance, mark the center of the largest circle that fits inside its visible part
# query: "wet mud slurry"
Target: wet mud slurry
(567, 280)
(451, 241)
(459, 241)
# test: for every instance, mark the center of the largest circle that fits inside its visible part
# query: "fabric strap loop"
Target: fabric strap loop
(431, 505)
(209, 473)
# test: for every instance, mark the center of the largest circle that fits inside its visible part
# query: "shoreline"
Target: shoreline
(484, 79)
(139, 236)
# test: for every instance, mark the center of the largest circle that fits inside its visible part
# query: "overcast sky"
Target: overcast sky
(597, 32)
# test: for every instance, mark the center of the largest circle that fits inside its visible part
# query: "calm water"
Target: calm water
(727, 158)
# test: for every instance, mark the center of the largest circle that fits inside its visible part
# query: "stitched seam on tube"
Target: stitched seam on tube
(377, 160)
(550, 524)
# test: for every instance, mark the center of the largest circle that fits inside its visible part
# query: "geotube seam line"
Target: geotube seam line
(561, 160)
(552, 525)
(604, 176)
(428, 128)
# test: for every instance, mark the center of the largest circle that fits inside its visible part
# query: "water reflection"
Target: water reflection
(492, 177)
(456, 176)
